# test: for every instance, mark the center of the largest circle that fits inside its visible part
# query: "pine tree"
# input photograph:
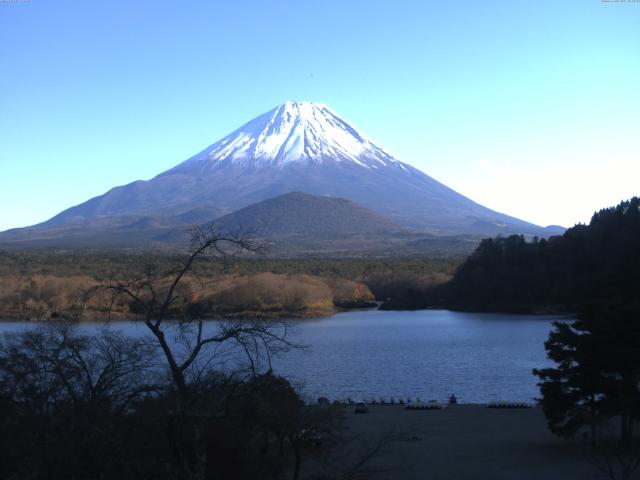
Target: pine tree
(573, 392)
(597, 376)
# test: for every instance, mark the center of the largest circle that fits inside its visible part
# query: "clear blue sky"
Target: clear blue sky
(530, 107)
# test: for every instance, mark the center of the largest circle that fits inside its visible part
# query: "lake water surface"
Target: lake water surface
(428, 354)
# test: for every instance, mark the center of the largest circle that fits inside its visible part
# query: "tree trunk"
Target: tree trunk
(298, 459)
(625, 431)
(594, 420)
(176, 373)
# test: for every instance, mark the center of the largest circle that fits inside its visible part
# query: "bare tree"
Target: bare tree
(65, 395)
(55, 362)
(155, 295)
(158, 298)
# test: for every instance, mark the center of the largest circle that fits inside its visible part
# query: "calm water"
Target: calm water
(428, 354)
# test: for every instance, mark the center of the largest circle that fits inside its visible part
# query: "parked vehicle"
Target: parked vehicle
(361, 407)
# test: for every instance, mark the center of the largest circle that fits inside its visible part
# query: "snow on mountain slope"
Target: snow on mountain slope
(291, 133)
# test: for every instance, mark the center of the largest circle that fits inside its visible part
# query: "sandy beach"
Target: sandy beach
(469, 442)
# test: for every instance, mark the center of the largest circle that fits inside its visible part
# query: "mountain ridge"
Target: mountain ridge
(306, 147)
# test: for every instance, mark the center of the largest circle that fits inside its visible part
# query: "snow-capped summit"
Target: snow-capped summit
(292, 133)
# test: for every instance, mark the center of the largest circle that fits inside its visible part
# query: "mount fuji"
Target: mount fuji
(296, 147)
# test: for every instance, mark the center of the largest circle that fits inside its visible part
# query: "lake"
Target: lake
(428, 354)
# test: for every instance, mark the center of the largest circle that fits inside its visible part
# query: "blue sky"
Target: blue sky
(529, 107)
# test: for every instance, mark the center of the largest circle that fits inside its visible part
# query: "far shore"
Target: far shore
(241, 315)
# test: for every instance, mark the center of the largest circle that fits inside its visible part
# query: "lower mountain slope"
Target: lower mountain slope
(126, 231)
(295, 224)
(400, 192)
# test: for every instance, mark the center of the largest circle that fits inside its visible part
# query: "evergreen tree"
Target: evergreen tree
(597, 376)
(573, 392)
(615, 327)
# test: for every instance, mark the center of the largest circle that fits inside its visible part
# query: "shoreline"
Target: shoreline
(248, 315)
(293, 315)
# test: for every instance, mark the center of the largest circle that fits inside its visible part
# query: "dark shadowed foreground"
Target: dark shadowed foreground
(469, 442)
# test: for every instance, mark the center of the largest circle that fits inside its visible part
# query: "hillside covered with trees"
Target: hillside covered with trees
(587, 264)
